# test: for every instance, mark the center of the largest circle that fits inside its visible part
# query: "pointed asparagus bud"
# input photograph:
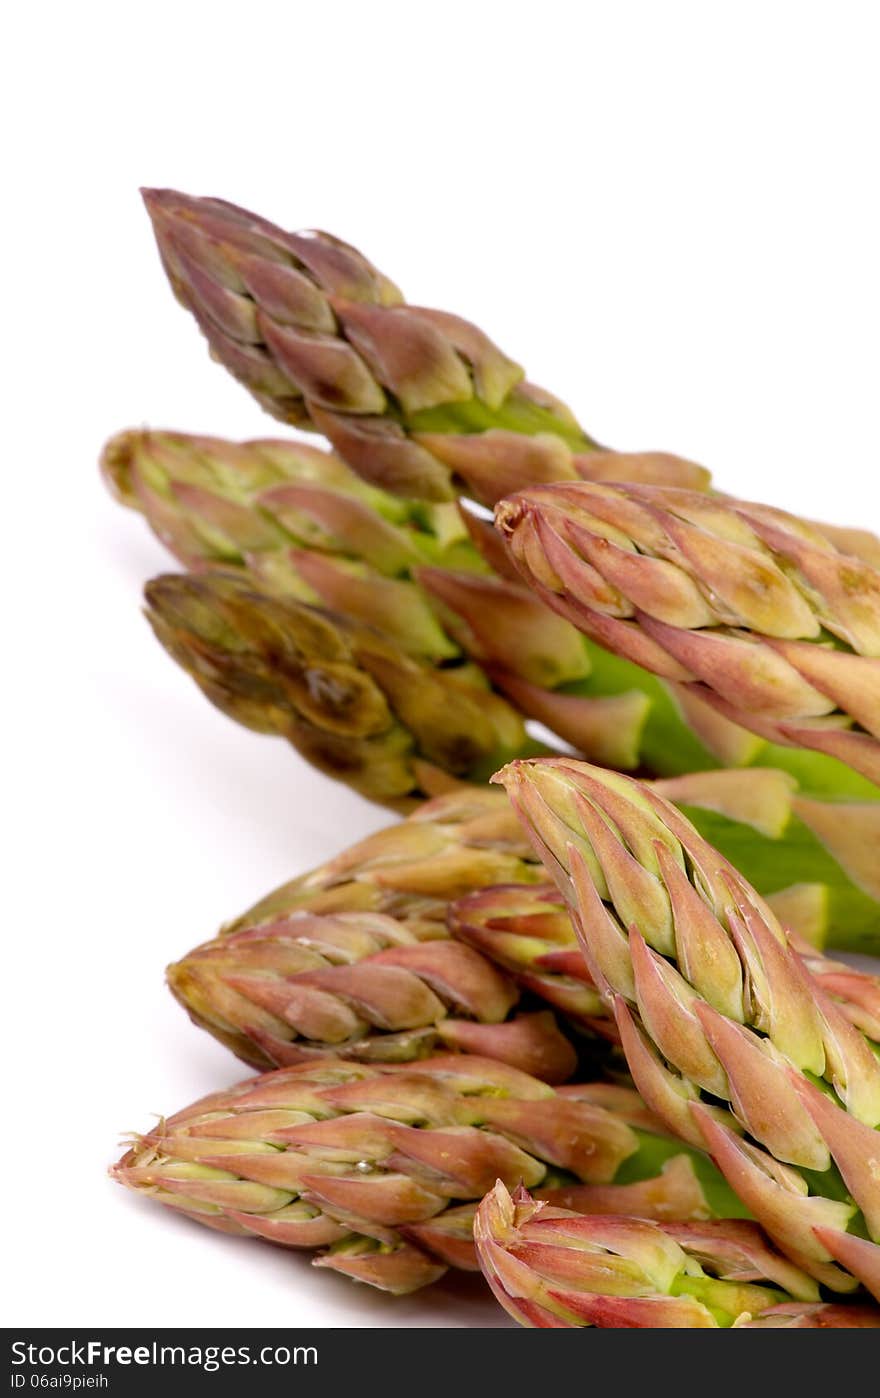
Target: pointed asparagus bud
(706, 954)
(634, 891)
(730, 743)
(459, 976)
(547, 809)
(760, 797)
(573, 1135)
(498, 461)
(299, 1225)
(449, 1237)
(737, 1250)
(778, 1198)
(852, 682)
(348, 699)
(462, 1161)
(473, 1076)
(550, 1267)
(781, 1001)
(526, 931)
(852, 1064)
(379, 450)
(396, 607)
(397, 1268)
(609, 819)
(489, 610)
(671, 1013)
(668, 1094)
(857, 1255)
(762, 1094)
(854, 1147)
(602, 940)
(384, 1198)
(856, 994)
(647, 467)
(674, 1194)
(606, 730)
(532, 1042)
(850, 832)
(623, 1101)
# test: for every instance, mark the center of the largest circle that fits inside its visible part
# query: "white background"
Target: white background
(669, 212)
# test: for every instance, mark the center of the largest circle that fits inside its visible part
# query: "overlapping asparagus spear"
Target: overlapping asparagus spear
(554, 1269)
(380, 1162)
(346, 697)
(465, 839)
(714, 1007)
(417, 401)
(336, 961)
(360, 985)
(297, 521)
(746, 606)
(528, 931)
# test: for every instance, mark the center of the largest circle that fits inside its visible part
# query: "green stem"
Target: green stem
(516, 414)
(653, 1153)
(852, 919)
(670, 748)
(721, 1298)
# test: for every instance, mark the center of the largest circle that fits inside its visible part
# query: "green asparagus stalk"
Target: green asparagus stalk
(714, 1007)
(749, 608)
(299, 523)
(553, 1269)
(369, 1158)
(417, 401)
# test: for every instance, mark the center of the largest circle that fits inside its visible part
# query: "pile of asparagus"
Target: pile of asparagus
(583, 1029)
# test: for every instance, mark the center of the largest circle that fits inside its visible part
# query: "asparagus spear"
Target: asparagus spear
(417, 401)
(352, 703)
(360, 985)
(553, 1269)
(747, 607)
(462, 840)
(369, 1158)
(713, 1006)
